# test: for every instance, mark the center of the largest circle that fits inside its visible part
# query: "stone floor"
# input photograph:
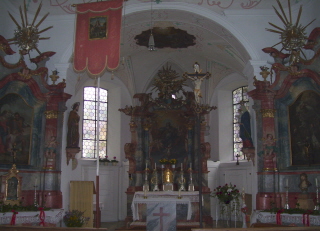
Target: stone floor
(120, 225)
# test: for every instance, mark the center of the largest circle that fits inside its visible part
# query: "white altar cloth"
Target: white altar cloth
(53, 216)
(266, 217)
(163, 196)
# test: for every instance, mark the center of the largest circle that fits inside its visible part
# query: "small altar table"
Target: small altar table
(52, 218)
(288, 219)
(187, 198)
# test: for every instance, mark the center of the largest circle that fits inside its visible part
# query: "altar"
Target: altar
(288, 219)
(186, 206)
(52, 217)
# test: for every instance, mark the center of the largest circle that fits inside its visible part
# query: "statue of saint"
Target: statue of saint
(73, 127)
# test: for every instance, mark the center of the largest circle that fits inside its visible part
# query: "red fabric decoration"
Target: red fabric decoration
(278, 217)
(42, 216)
(306, 220)
(98, 54)
(13, 218)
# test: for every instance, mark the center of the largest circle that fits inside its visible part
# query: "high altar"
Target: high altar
(166, 137)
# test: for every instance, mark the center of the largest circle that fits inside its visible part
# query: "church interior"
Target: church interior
(161, 114)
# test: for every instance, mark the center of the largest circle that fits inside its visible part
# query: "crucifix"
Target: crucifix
(197, 77)
(237, 156)
(14, 153)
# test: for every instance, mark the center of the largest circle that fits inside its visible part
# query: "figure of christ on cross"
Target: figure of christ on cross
(161, 215)
(197, 79)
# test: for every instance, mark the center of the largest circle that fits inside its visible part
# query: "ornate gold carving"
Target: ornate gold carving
(51, 114)
(267, 113)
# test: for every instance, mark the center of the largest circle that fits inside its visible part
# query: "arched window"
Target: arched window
(239, 95)
(90, 122)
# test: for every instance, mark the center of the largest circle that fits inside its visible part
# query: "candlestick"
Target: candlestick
(317, 207)
(145, 194)
(286, 206)
(316, 182)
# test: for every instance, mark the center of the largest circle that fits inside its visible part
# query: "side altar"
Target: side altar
(50, 218)
(168, 153)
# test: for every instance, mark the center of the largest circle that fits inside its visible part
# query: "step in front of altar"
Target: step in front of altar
(179, 224)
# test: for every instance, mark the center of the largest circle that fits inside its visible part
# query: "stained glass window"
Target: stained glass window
(239, 95)
(90, 122)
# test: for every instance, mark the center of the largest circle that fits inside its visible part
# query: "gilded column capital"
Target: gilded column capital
(267, 113)
(51, 114)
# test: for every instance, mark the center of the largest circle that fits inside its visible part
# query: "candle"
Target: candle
(146, 166)
(287, 182)
(155, 165)
(179, 193)
(145, 193)
(35, 182)
(190, 165)
(181, 166)
(316, 182)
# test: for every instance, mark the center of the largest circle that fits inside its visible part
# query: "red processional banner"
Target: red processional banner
(97, 39)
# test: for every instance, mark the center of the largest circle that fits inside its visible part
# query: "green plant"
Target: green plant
(104, 159)
(4, 208)
(75, 218)
(114, 159)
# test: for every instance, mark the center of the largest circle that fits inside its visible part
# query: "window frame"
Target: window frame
(84, 120)
(236, 120)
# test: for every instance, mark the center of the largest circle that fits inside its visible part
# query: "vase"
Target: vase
(114, 163)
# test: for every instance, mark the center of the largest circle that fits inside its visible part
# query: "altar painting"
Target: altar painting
(15, 130)
(169, 136)
(304, 117)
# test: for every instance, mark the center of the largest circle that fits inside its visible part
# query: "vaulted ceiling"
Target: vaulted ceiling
(214, 44)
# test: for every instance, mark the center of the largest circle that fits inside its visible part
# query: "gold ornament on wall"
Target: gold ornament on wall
(27, 35)
(292, 35)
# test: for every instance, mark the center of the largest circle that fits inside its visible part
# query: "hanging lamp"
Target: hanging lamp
(151, 45)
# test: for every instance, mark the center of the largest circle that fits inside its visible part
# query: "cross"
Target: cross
(197, 79)
(237, 156)
(161, 214)
(14, 153)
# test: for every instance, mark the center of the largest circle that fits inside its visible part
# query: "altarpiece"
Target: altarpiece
(165, 128)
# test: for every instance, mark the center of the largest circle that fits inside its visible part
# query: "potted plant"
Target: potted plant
(114, 161)
(104, 161)
(75, 218)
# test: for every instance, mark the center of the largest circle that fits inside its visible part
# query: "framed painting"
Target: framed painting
(16, 122)
(169, 137)
(304, 123)
(98, 27)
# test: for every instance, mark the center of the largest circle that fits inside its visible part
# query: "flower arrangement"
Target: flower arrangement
(167, 161)
(75, 218)
(105, 159)
(226, 193)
